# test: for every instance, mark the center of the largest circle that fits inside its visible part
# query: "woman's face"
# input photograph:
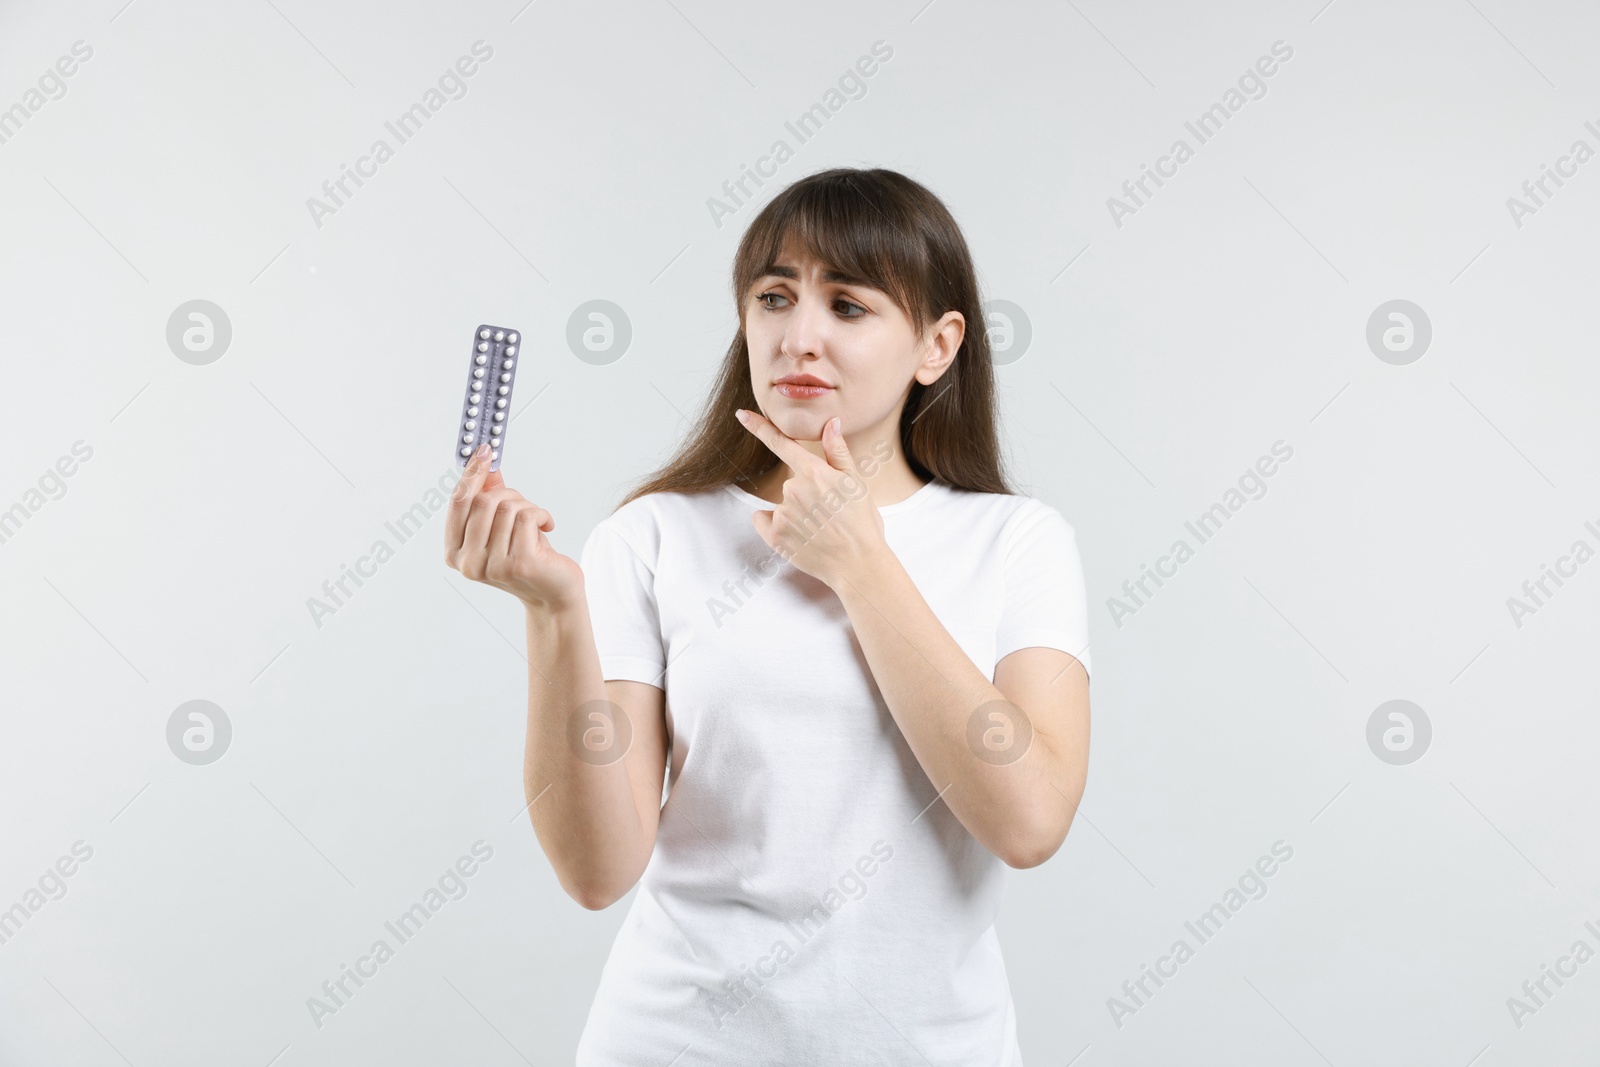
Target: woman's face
(802, 319)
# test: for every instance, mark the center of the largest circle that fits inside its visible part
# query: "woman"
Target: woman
(815, 679)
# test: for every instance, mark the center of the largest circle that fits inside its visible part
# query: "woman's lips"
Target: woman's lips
(802, 392)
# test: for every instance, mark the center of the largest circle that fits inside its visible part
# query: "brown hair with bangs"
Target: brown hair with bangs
(889, 232)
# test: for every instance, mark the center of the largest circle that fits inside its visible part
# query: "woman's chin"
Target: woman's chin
(802, 424)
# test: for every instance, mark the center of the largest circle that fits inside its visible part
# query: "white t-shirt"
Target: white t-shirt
(808, 901)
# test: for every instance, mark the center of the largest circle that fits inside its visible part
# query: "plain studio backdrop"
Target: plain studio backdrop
(1358, 274)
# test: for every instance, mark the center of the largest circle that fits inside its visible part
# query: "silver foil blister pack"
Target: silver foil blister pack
(486, 411)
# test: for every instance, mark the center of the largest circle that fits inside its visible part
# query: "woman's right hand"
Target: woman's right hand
(492, 534)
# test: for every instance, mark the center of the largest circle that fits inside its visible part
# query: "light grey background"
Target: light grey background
(1167, 355)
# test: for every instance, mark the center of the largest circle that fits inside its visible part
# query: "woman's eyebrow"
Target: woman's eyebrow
(778, 270)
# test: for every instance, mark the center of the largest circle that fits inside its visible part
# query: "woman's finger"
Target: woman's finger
(526, 528)
(455, 520)
(499, 543)
(475, 541)
(783, 446)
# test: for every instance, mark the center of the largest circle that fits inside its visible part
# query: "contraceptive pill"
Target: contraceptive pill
(493, 359)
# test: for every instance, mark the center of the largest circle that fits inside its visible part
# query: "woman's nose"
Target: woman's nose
(804, 329)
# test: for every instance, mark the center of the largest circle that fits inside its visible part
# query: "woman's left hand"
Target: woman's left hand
(826, 524)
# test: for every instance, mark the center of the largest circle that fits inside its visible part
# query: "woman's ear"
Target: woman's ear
(943, 342)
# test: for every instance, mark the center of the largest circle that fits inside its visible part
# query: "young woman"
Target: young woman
(818, 679)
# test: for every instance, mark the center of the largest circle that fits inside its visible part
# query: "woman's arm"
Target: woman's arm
(1019, 807)
(1009, 759)
(594, 760)
(595, 754)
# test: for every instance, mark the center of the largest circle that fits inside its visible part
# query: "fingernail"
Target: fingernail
(744, 416)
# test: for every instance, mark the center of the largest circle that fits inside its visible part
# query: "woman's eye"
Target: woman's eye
(849, 308)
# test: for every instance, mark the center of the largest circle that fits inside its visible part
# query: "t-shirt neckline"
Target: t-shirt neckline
(915, 498)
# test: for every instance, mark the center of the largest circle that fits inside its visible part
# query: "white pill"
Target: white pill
(495, 454)
(481, 360)
(477, 372)
(499, 416)
(496, 430)
(500, 403)
(508, 364)
(511, 337)
(466, 451)
(499, 335)
(511, 350)
(506, 377)
(473, 411)
(467, 437)
(504, 389)
(472, 424)
(475, 398)
(484, 333)
(483, 346)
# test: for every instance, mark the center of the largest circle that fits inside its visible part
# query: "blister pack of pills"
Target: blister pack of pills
(486, 412)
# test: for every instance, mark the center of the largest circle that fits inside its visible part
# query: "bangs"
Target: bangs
(852, 233)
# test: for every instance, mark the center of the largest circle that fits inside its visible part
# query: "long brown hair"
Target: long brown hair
(893, 234)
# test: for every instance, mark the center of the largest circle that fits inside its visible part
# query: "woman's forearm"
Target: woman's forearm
(585, 809)
(1018, 809)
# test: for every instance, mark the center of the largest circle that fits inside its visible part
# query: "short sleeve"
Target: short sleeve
(1046, 601)
(620, 590)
